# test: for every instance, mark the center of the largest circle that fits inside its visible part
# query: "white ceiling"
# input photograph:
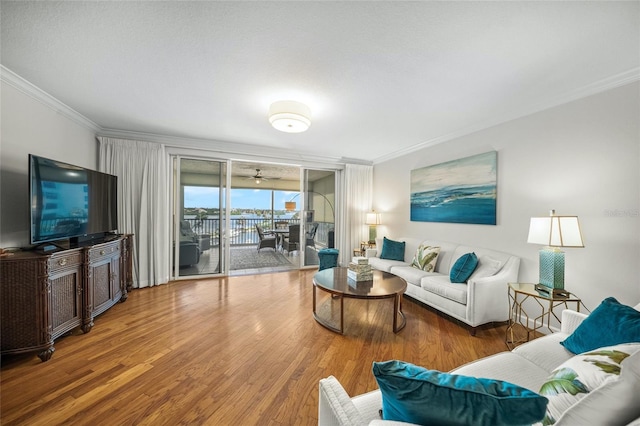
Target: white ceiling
(381, 78)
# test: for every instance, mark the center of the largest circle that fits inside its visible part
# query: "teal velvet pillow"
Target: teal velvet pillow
(392, 250)
(463, 268)
(611, 323)
(416, 395)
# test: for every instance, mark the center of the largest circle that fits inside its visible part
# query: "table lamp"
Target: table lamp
(372, 219)
(554, 232)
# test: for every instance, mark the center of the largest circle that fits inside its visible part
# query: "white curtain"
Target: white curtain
(357, 199)
(143, 203)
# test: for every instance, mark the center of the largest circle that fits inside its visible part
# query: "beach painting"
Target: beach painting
(458, 191)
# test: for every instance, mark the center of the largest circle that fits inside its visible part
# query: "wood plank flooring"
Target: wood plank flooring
(230, 351)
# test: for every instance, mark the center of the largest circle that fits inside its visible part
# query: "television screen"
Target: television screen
(69, 201)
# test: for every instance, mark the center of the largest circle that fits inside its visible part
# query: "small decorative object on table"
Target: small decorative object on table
(359, 269)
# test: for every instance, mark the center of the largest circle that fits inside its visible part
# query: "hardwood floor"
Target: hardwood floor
(239, 350)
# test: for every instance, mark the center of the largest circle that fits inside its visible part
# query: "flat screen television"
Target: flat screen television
(70, 202)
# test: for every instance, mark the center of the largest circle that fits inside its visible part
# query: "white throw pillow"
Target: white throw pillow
(597, 387)
(487, 267)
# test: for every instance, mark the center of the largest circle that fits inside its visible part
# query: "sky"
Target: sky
(207, 197)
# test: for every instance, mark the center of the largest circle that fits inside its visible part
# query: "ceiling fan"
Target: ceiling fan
(258, 177)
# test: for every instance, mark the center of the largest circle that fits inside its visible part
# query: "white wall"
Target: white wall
(30, 127)
(581, 158)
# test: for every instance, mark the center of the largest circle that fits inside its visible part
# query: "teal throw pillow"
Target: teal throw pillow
(463, 268)
(392, 250)
(611, 323)
(416, 395)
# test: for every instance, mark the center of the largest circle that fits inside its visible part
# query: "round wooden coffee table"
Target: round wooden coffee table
(383, 286)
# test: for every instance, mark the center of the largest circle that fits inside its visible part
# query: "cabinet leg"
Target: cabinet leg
(87, 327)
(46, 354)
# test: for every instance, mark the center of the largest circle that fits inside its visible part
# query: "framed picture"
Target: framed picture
(458, 191)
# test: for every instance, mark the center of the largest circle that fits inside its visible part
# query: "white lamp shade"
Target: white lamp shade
(289, 116)
(372, 218)
(555, 231)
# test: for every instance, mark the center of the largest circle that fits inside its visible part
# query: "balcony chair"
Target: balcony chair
(281, 224)
(292, 242)
(189, 245)
(189, 254)
(311, 235)
(186, 233)
(265, 240)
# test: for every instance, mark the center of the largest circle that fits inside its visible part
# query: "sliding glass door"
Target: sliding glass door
(199, 217)
(317, 213)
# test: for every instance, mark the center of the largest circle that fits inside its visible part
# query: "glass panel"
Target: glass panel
(318, 213)
(199, 192)
(259, 220)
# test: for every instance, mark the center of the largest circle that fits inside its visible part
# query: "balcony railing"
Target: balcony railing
(243, 231)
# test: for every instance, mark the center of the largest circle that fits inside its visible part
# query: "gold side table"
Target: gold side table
(522, 325)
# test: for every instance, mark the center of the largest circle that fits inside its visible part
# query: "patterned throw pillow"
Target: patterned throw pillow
(426, 258)
(580, 377)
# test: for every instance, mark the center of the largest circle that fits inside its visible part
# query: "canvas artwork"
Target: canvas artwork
(458, 191)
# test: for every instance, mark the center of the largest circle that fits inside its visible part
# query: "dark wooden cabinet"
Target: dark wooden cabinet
(104, 284)
(43, 296)
(64, 301)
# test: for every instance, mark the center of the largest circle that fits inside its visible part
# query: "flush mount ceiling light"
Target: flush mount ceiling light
(289, 116)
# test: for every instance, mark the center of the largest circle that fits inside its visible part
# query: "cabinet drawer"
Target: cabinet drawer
(68, 259)
(104, 251)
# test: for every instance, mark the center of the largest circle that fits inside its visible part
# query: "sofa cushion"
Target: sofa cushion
(586, 373)
(410, 274)
(463, 268)
(385, 264)
(426, 258)
(609, 324)
(442, 286)
(417, 395)
(546, 353)
(506, 366)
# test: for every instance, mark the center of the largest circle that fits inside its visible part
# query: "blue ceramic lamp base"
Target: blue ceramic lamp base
(551, 271)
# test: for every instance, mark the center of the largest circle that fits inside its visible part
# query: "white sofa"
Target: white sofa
(482, 299)
(529, 365)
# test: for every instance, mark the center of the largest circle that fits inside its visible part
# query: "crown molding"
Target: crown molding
(603, 85)
(34, 92)
(9, 77)
(227, 148)
(14, 80)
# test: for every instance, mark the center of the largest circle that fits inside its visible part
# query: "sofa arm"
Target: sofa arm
(335, 407)
(488, 297)
(371, 252)
(571, 320)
